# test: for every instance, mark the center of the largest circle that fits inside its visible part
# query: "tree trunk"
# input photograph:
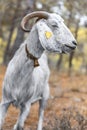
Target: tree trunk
(19, 39)
(59, 62)
(6, 53)
(72, 53)
(20, 33)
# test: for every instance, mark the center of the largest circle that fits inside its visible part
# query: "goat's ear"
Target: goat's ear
(45, 35)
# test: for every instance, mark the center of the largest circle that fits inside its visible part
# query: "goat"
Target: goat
(27, 75)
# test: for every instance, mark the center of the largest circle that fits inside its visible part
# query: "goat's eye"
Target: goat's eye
(55, 25)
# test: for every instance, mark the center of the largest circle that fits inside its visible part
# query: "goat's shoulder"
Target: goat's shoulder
(43, 69)
(43, 61)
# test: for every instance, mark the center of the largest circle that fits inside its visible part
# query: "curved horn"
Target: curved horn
(39, 14)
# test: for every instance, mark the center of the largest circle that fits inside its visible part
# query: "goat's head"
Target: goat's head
(53, 34)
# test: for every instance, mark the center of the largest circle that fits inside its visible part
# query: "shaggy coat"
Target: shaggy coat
(25, 84)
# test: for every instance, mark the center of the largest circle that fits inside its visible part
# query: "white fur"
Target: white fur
(23, 84)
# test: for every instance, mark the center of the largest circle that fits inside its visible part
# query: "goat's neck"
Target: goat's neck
(33, 44)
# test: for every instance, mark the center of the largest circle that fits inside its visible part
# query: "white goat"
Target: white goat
(24, 83)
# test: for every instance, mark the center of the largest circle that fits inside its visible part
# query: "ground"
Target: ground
(66, 108)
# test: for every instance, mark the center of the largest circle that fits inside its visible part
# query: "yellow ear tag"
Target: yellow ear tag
(48, 34)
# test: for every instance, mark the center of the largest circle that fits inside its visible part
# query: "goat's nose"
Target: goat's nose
(74, 42)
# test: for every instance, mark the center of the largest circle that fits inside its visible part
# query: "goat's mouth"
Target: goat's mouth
(68, 49)
(71, 47)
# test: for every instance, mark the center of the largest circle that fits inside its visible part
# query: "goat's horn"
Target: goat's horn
(39, 14)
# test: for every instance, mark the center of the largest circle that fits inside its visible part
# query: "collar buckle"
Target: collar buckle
(36, 63)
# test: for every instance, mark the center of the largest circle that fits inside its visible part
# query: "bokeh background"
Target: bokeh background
(74, 13)
(67, 106)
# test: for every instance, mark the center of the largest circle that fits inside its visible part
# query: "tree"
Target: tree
(19, 12)
(12, 27)
(75, 10)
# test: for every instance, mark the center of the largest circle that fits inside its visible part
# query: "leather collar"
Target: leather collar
(30, 56)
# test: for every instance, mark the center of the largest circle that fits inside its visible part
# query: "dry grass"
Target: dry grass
(69, 119)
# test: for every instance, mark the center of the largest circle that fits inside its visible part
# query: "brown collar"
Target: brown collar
(36, 63)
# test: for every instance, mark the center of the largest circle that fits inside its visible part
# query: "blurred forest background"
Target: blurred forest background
(67, 105)
(74, 13)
